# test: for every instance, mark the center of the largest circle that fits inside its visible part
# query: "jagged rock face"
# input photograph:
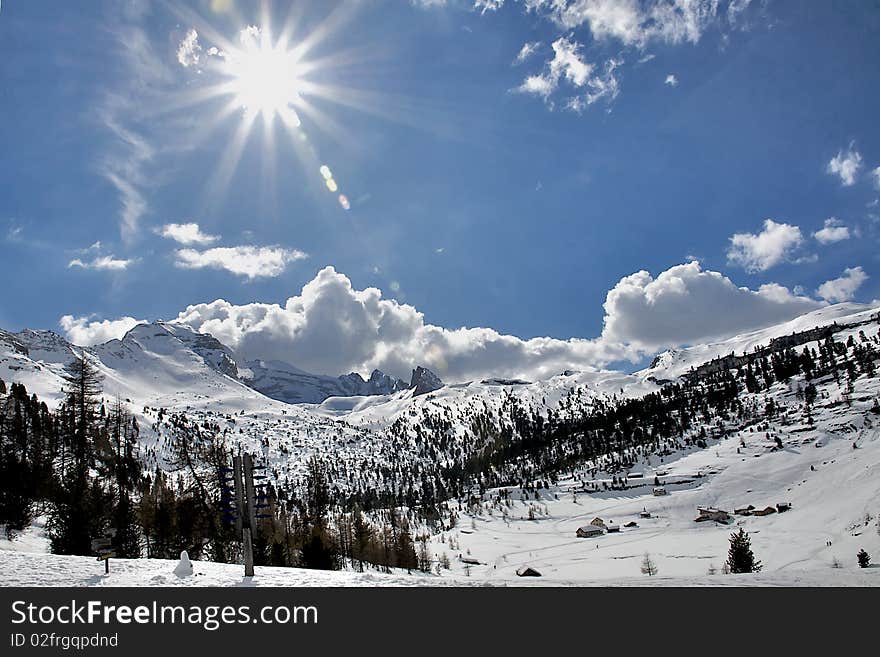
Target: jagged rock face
(215, 353)
(45, 345)
(424, 381)
(380, 383)
(12, 344)
(289, 384)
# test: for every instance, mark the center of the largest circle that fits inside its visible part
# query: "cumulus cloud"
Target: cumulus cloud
(568, 66)
(844, 288)
(671, 80)
(686, 304)
(249, 261)
(846, 165)
(106, 262)
(834, 231)
(186, 234)
(333, 328)
(758, 252)
(85, 332)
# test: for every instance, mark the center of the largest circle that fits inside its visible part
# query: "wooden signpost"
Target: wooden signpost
(245, 517)
(103, 546)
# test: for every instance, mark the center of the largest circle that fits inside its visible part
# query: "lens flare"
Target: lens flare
(343, 201)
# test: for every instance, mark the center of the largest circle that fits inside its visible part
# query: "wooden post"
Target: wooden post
(243, 471)
(248, 547)
(250, 521)
(239, 493)
(249, 493)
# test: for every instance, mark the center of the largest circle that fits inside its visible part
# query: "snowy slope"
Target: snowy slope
(672, 364)
(834, 490)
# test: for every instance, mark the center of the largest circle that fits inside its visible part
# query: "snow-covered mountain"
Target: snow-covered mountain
(376, 441)
(284, 382)
(154, 361)
(672, 364)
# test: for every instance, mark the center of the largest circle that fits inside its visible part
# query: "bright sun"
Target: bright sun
(264, 77)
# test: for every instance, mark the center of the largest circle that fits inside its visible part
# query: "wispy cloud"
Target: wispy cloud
(484, 6)
(640, 23)
(142, 71)
(671, 80)
(568, 67)
(624, 24)
(527, 51)
(248, 261)
(188, 233)
(846, 165)
(105, 262)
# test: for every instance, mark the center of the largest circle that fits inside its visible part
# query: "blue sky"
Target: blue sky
(484, 189)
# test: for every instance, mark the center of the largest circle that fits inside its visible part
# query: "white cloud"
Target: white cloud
(250, 261)
(844, 288)
(189, 51)
(875, 174)
(488, 5)
(527, 51)
(568, 66)
(671, 80)
(846, 165)
(759, 252)
(735, 9)
(85, 332)
(686, 304)
(189, 233)
(834, 231)
(633, 23)
(636, 23)
(106, 262)
(333, 328)
(144, 77)
(124, 169)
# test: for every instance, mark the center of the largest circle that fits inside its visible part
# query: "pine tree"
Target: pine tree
(864, 558)
(648, 566)
(83, 393)
(740, 558)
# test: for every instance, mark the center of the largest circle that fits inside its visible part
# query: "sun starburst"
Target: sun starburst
(264, 76)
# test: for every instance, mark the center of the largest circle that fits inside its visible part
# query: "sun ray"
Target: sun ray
(216, 189)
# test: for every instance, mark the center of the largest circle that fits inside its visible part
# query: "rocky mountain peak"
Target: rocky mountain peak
(424, 381)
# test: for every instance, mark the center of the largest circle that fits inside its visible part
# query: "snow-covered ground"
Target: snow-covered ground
(834, 514)
(837, 502)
